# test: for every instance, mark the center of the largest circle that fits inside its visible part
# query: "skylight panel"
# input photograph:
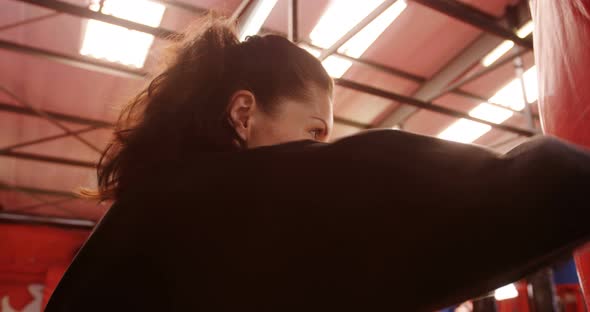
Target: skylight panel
(259, 14)
(118, 44)
(464, 131)
(339, 18)
(335, 66)
(358, 44)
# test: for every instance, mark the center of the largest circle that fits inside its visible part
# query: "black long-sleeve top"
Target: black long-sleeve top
(382, 221)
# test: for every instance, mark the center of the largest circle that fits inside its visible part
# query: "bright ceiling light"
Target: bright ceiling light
(467, 131)
(506, 292)
(531, 84)
(339, 18)
(525, 29)
(491, 113)
(335, 66)
(260, 13)
(358, 44)
(511, 94)
(506, 45)
(497, 53)
(119, 44)
(464, 131)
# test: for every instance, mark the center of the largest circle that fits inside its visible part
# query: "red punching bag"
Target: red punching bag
(562, 55)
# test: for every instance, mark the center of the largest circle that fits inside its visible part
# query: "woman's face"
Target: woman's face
(291, 120)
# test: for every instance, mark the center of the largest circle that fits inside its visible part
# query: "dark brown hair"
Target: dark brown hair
(183, 110)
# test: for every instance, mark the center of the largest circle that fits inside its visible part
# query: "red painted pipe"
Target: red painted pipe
(562, 55)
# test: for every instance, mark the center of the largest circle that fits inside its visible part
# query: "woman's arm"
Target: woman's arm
(380, 221)
(400, 220)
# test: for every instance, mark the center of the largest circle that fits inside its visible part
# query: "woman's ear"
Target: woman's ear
(241, 107)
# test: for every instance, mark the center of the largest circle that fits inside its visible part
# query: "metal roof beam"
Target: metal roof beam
(28, 21)
(476, 18)
(49, 159)
(76, 10)
(50, 119)
(293, 21)
(47, 139)
(37, 191)
(58, 116)
(182, 5)
(74, 60)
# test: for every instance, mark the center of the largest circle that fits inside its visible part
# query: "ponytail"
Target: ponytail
(183, 110)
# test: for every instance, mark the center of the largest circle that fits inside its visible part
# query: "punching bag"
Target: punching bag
(562, 55)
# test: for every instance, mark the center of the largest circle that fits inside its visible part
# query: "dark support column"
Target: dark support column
(542, 296)
(293, 16)
(514, 19)
(487, 304)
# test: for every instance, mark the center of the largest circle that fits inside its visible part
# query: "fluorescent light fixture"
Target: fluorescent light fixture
(506, 45)
(497, 53)
(119, 44)
(525, 29)
(339, 18)
(507, 292)
(260, 13)
(467, 131)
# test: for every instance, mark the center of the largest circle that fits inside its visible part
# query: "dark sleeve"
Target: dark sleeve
(388, 219)
(116, 269)
(380, 221)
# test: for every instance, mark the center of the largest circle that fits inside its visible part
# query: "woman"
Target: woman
(213, 213)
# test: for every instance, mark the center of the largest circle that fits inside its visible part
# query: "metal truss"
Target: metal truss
(28, 21)
(88, 63)
(444, 81)
(55, 122)
(43, 201)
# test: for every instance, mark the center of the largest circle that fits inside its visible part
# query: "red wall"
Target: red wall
(32, 260)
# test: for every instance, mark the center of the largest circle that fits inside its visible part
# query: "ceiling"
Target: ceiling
(421, 42)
